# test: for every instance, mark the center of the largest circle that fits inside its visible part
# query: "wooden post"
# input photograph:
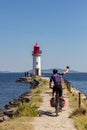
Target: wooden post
(79, 100)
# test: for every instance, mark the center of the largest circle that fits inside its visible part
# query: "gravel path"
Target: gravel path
(48, 119)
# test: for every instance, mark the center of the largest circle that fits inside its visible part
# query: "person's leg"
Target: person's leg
(60, 95)
(60, 91)
(54, 92)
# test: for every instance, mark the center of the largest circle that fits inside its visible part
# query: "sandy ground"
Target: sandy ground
(48, 119)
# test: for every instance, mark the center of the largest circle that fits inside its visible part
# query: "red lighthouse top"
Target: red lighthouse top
(37, 50)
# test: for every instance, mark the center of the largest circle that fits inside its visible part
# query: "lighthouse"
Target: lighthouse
(37, 60)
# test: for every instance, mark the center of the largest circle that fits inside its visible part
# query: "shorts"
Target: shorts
(58, 89)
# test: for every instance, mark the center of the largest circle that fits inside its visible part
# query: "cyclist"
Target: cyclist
(56, 79)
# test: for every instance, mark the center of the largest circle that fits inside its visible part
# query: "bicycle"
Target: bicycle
(57, 102)
(58, 105)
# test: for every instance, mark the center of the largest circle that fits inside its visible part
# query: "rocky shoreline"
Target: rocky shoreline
(9, 110)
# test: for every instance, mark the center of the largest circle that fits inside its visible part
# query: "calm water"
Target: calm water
(77, 80)
(9, 89)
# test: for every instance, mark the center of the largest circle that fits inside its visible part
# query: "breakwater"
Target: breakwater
(11, 107)
(10, 87)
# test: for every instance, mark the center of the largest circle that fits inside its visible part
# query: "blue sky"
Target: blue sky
(59, 27)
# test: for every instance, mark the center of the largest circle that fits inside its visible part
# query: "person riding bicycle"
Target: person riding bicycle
(56, 79)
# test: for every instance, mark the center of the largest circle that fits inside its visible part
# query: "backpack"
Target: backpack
(62, 102)
(57, 79)
(53, 102)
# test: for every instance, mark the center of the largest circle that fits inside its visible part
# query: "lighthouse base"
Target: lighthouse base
(37, 72)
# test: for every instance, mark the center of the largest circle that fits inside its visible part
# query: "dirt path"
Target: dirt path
(48, 120)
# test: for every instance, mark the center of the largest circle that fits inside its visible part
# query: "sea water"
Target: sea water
(9, 88)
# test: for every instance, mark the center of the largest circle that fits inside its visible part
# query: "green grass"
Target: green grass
(26, 109)
(36, 100)
(20, 123)
(73, 101)
(79, 114)
(31, 108)
(81, 121)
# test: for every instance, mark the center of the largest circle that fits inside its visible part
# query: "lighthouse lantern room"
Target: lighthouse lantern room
(37, 60)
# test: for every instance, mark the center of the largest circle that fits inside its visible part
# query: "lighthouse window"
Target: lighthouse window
(36, 63)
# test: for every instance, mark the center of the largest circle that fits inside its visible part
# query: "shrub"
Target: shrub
(26, 109)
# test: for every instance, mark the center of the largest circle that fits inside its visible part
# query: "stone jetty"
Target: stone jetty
(10, 109)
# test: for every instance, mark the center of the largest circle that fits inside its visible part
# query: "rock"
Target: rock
(1, 114)
(13, 103)
(1, 119)
(6, 118)
(21, 80)
(1, 108)
(10, 112)
(26, 99)
(34, 84)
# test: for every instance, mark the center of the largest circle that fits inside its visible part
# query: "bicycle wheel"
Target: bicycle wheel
(57, 107)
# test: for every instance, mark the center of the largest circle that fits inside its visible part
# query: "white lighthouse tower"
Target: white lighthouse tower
(37, 60)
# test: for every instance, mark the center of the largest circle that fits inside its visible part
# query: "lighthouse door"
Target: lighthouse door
(37, 72)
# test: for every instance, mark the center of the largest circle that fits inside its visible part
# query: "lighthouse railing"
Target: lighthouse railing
(36, 52)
